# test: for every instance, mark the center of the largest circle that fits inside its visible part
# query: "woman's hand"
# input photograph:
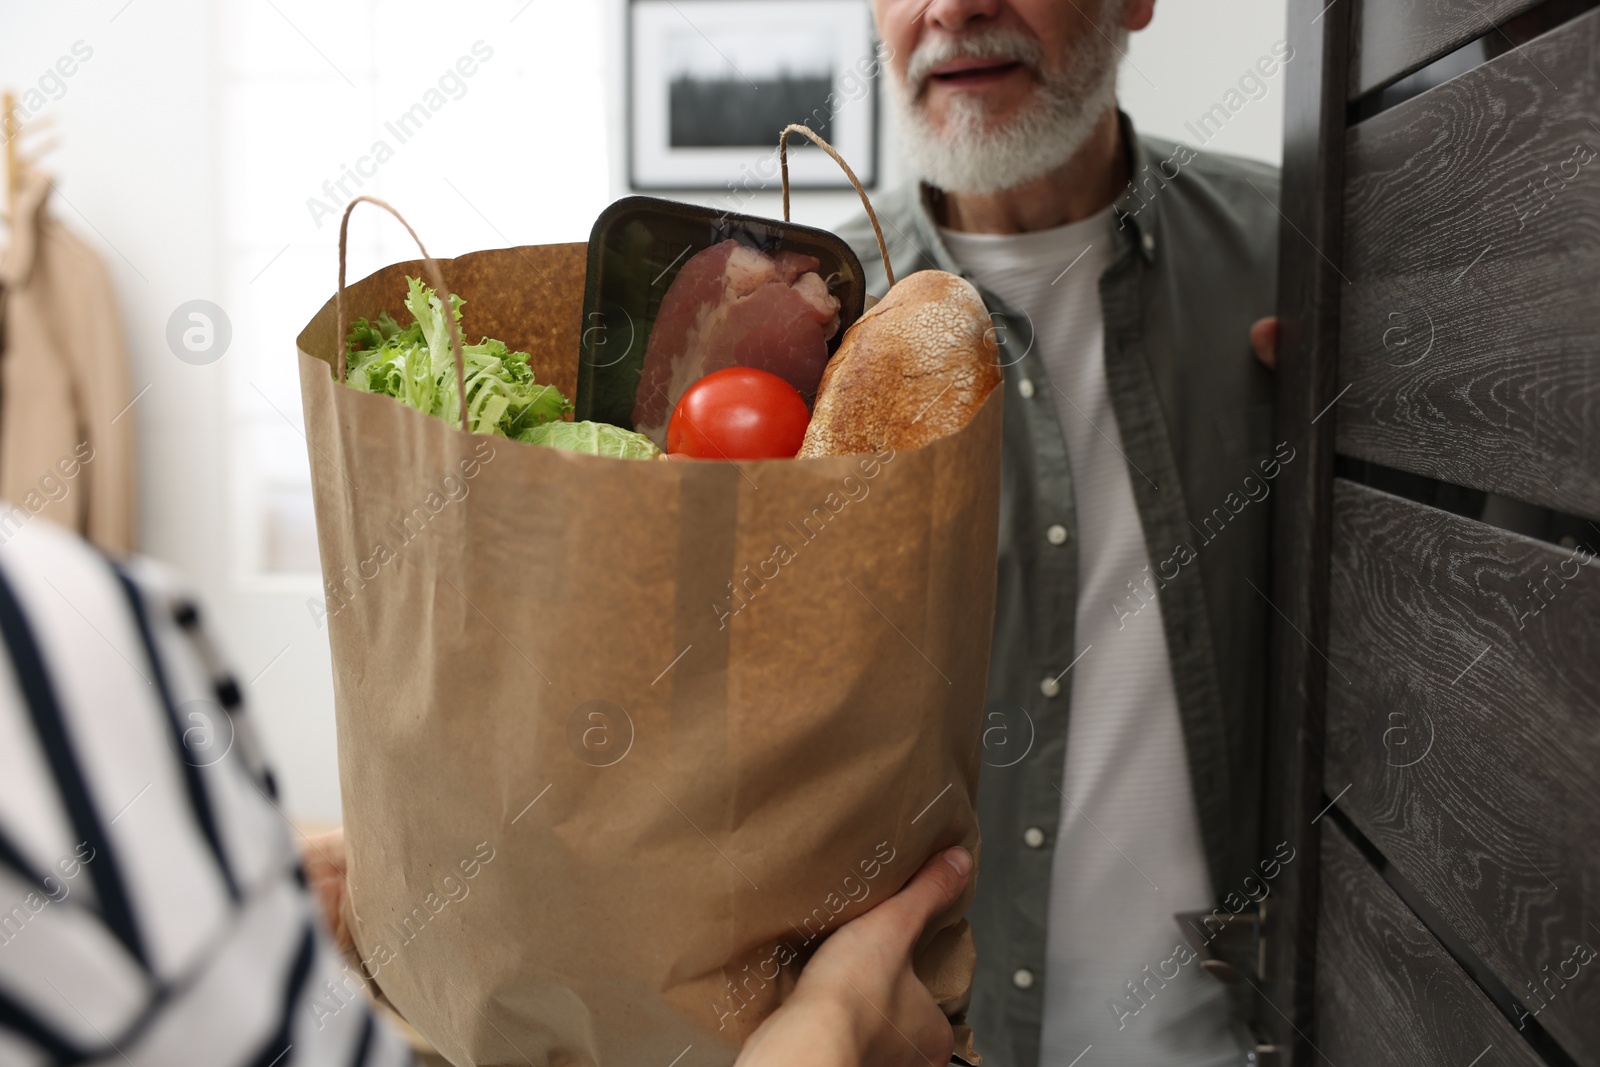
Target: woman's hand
(858, 1002)
(323, 858)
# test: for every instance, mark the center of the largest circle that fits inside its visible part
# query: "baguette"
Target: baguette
(915, 367)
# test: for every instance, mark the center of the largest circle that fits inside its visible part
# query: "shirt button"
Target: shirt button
(1050, 687)
(1022, 978)
(1056, 535)
(1149, 242)
(1033, 837)
(1025, 387)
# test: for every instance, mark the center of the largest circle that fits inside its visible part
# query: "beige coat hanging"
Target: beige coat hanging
(66, 429)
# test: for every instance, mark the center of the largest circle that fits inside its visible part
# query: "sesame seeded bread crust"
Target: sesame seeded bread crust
(915, 367)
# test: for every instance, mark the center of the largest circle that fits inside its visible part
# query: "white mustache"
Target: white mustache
(995, 43)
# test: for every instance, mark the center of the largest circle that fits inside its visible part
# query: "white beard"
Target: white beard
(971, 152)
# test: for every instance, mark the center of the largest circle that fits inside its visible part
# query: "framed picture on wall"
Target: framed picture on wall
(711, 83)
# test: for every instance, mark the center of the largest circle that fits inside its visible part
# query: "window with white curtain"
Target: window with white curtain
(485, 124)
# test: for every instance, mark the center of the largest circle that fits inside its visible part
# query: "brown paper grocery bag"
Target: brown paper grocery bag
(621, 740)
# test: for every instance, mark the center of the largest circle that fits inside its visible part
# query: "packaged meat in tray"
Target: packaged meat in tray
(675, 291)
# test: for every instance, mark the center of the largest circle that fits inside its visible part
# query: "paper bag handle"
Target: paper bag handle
(783, 165)
(430, 266)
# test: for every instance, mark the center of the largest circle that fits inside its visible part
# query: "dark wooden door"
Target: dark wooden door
(1435, 739)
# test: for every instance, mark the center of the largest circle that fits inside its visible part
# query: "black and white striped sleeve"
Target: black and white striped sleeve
(152, 906)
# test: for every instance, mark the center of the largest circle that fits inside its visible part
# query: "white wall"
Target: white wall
(1189, 58)
(192, 139)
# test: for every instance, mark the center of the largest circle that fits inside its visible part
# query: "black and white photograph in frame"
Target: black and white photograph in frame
(713, 82)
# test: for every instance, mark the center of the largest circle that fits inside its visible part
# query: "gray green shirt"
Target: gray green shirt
(1193, 266)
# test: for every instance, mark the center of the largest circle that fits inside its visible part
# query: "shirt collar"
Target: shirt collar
(1137, 216)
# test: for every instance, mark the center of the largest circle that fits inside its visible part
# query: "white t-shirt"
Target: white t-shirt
(1128, 854)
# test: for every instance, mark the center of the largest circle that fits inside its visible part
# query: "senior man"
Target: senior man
(1128, 279)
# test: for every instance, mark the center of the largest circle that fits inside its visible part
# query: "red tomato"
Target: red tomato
(738, 413)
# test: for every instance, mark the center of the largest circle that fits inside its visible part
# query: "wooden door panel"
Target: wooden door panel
(1470, 324)
(1387, 993)
(1463, 732)
(1390, 38)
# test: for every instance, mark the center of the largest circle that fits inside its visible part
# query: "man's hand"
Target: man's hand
(323, 857)
(1264, 339)
(858, 1002)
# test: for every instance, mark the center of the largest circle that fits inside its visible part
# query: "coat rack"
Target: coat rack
(10, 128)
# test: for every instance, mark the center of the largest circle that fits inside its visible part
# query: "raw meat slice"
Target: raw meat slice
(735, 306)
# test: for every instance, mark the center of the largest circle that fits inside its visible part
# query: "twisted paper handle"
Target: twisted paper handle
(783, 164)
(431, 267)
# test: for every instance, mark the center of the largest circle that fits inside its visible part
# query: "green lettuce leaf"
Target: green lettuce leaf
(414, 364)
(595, 438)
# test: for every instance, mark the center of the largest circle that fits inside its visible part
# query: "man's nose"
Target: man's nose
(956, 15)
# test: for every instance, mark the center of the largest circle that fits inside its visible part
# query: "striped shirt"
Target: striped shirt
(152, 906)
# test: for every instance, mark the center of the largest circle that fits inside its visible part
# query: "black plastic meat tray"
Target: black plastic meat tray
(636, 248)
